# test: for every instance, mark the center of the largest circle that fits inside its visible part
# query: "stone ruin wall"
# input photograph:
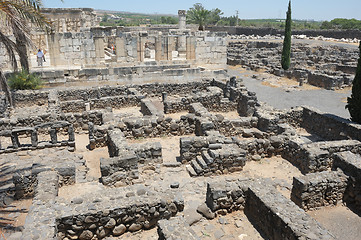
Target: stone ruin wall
(71, 19)
(248, 31)
(268, 132)
(329, 67)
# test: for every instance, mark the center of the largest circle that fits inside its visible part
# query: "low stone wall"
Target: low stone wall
(148, 108)
(338, 34)
(316, 190)
(78, 120)
(122, 170)
(316, 157)
(284, 220)
(40, 221)
(30, 98)
(351, 165)
(33, 132)
(329, 127)
(116, 216)
(26, 180)
(213, 100)
(268, 210)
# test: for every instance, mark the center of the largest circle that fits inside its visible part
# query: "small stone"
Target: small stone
(223, 221)
(218, 234)
(111, 223)
(86, 235)
(130, 194)
(205, 211)
(135, 227)
(119, 230)
(77, 201)
(238, 224)
(175, 185)
(141, 191)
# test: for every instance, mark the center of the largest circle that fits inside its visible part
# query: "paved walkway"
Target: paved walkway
(325, 100)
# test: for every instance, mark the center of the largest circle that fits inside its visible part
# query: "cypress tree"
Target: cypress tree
(354, 102)
(286, 51)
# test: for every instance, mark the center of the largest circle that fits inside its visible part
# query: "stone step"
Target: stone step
(7, 187)
(191, 171)
(198, 169)
(207, 158)
(201, 162)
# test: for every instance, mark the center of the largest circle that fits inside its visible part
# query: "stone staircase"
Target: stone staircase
(201, 165)
(220, 158)
(109, 55)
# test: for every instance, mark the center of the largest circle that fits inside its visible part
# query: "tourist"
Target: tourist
(41, 57)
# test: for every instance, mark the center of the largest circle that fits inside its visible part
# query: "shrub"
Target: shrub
(354, 102)
(23, 80)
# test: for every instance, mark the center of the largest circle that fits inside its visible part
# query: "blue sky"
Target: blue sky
(301, 9)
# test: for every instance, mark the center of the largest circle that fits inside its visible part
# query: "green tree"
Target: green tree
(214, 16)
(198, 15)
(354, 102)
(14, 17)
(286, 51)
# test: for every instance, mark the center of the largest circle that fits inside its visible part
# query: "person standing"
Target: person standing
(40, 57)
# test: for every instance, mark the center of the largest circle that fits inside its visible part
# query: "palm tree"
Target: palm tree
(198, 15)
(14, 17)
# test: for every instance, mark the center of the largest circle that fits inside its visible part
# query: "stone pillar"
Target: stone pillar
(140, 49)
(34, 138)
(170, 48)
(99, 49)
(53, 136)
(164, 96)
(182, 46)
(191, 48)
(15, 140)
(161, 48)
(182, 19)
(54, 50)
(158, 48)
(71, 133)
(120, 49)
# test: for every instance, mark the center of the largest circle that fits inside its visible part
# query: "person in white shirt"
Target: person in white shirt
(40, 57)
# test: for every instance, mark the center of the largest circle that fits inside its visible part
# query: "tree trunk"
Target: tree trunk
(22, 50)
(5, 87)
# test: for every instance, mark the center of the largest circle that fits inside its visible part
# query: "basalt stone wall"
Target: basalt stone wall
(275, 216)
(279, 218)
(119, 169)
(116, 216)
(328, 81)
(213, 100)
(227, 197)
(351, 165)
(338, 34)
(26, 180)
(157, 126)
(148, 153)
(79, 120)
(315, 190)
(329, 127)
(317, 156)
(27, 98)
(145, 127)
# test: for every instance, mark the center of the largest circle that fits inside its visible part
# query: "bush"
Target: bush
(354, 102)
(23, 80)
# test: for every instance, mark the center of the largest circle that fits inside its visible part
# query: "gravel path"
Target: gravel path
(332, 102)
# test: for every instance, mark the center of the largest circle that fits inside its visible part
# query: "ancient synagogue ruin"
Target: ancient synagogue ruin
(142, 133)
